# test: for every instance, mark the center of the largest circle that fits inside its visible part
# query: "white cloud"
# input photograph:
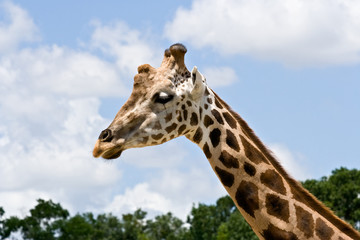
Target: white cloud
(172, 190)
(153, 157)
(186, 187)
(291, 162)
(139, 197)
(293, 32)
(61, 71)
(57, 164)
(46, 142)
(219, 76)
(126, 45)
(20, 202)
(19, 27)
(174, 180)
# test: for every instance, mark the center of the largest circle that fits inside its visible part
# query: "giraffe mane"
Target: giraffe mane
(299, 192)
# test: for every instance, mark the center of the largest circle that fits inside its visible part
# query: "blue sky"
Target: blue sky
(291, 69)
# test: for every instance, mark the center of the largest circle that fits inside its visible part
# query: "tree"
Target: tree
(166, 227)
(235, 228)
(133, 225)
(76, 228)
(42, 224)
(340, 192)
(219, 222)
(2, 212)
(106, 226)
(203, 223)
(7, 226)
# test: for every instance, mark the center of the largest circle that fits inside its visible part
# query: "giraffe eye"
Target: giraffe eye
(162, 97)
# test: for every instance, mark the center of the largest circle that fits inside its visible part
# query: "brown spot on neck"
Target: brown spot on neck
(229, 119)
(249, 169)
(217, 116)
(181, 129)
(277, 207)
(206, 150)
(274, 233)
(247, 197)
(322, 230)
(215, 137)
(218, 104)
(194, 119)
(208, 121)
(273, 180)
(252, 153)
(198, 135)
(305, 221)
(185, 114)
(171, 128)
(231, 140)
(225, 177)
(228, 160)
(157, 136)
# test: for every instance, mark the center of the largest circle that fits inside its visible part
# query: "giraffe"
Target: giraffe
(170, 101)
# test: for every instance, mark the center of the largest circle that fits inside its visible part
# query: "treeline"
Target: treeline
(221, 221)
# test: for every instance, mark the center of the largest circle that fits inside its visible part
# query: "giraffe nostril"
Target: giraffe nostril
(105, 136)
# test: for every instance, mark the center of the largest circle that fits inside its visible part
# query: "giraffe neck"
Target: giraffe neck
(275, 205)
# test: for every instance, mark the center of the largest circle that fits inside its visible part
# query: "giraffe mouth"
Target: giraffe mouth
(112, 153)
(107, 152)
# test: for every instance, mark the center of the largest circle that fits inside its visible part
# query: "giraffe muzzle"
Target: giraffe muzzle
(107, 150)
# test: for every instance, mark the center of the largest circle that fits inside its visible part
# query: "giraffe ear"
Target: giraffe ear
(198, 81)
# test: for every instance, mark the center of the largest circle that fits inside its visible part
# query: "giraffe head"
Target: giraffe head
(162, 106)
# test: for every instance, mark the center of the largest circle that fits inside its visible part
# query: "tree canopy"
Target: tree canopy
(219, 221)
(340, 192)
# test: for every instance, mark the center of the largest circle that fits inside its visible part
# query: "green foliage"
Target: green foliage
(106, 226)
(75, 228)
(203, 222)
(133, 225)
(221, 221)
(42, 224)
(166, 227)
(235, 228)
(8, 226)
(340, 192)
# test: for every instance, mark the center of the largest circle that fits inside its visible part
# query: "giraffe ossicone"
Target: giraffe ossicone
(170, 101)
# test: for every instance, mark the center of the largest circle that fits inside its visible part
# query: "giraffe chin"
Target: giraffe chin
(112, 154)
